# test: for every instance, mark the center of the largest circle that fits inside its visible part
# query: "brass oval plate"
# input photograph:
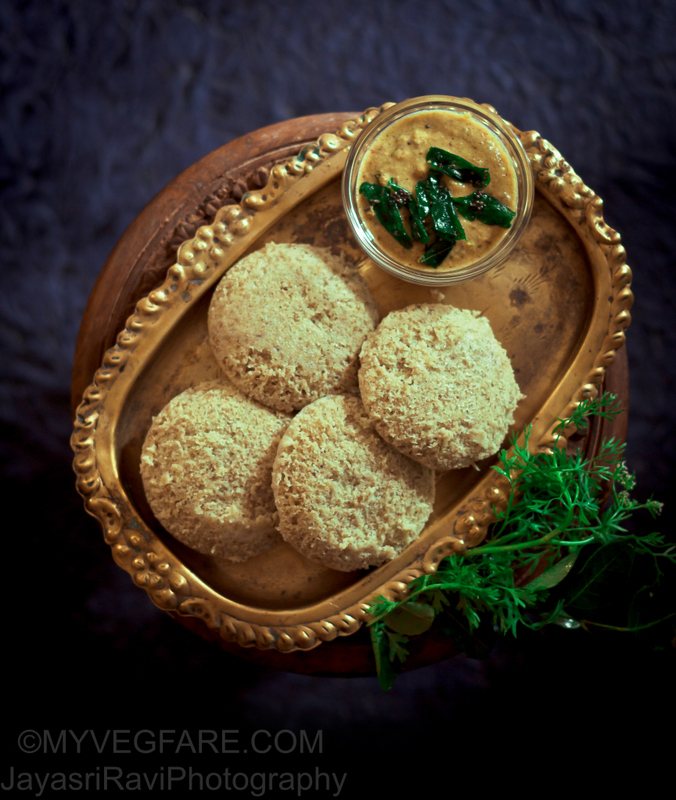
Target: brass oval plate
(559, 306)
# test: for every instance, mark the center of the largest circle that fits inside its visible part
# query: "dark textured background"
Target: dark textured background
(102, 104)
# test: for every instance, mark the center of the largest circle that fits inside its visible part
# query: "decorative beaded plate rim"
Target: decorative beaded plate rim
(201, 261)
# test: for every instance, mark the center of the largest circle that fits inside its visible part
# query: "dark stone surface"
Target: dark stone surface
(102, 104)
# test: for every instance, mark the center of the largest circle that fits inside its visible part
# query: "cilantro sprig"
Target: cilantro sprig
(559, 552)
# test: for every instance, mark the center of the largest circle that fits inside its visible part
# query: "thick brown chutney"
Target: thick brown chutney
(400, 151)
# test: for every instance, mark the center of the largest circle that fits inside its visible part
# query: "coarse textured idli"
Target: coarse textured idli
(206, 466)
(287, 323)
(346, 498)
(438, 385)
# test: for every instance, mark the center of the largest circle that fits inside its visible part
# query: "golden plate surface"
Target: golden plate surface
(559, 306)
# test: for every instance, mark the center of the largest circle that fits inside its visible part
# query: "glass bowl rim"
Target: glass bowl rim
(509, 138)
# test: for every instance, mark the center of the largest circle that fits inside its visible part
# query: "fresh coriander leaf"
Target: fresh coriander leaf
(606, 406)
(557, 507)
(397, 643)
(380, 608)
(438, 600)
(381, 651)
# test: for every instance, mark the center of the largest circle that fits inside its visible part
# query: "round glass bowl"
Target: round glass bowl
(490, 132)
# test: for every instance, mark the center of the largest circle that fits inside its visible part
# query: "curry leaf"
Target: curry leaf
(457, 168)
(411, 618)
(442, 211)
(387, 211)
(436, 253)
(555, 574)
(418, 230)
(485, 208)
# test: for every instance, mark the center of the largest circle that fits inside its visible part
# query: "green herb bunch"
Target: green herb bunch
(559, 553)
(433, 208)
